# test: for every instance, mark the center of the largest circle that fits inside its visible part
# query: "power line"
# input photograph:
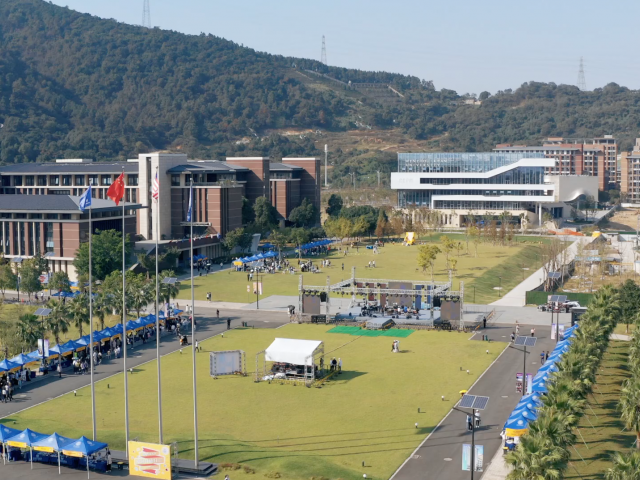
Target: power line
(146, 15)
(582, 84)
(323, 55)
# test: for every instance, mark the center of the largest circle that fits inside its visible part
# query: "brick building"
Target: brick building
(219, 188)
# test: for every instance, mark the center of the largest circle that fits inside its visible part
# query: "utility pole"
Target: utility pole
(326, 165)
(582, 84)
(323, 54)
(378, 172)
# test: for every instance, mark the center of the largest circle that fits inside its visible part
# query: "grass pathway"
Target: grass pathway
(606, 436)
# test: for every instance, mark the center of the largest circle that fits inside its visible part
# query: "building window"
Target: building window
(93, 179)
(66, 180)
(28, 180)
(106, 179)
(17, 180)
(42, 180)
(52, 216)
(48, 235)
(6, 181)
(36, 215)
(175, 180)
(79, 180)
(133, 180)
(61, 192)
(66, 216)
(54, 180)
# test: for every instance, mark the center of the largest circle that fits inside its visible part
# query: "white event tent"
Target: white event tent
(294, 352)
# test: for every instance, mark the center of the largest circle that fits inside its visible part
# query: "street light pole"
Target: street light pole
(473, 440)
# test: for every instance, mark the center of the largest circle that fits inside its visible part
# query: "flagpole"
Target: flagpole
(93, 389)
(124, 325)
(157, 216)
(193, 334)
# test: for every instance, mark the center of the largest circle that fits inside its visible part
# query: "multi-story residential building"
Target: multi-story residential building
(596, 157)
(462, 184)
(218, 186)
(630, 174)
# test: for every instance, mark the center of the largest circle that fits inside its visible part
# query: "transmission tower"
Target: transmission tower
(582, 84)
(146, 15)
(323, 55)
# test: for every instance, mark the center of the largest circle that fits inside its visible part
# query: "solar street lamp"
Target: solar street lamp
(43, 312)
(525, 342)
(475, 403)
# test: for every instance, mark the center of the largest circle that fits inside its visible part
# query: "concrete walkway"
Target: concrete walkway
(518, 296)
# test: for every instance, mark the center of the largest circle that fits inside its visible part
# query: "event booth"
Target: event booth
(75, 453)
(290, 360)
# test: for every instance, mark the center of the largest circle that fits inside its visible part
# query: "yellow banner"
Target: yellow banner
(44, 449)
(17, 444)
(150, 460)
(72, 454)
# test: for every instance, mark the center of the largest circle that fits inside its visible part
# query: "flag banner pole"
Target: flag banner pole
(193, 333)
(93, 386)
(124, 323)
(157, 200)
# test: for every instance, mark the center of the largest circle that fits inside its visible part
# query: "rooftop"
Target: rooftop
(53, 203)
(470, 162)
(69, 168)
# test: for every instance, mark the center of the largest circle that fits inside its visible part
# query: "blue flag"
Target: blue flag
(190, 203)
(85, 200)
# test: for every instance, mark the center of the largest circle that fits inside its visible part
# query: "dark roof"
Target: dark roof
(283, 167)
(204, 166)
(52, 203)
(63, 168)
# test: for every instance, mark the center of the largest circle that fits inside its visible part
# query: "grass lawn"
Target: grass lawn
(621, 329)
(480, 275)
(366, 414)
(606, 435)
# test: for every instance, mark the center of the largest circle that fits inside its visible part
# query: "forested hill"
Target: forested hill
(73, 85)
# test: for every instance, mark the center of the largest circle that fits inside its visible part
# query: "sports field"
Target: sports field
(367, 414)
(481, 274)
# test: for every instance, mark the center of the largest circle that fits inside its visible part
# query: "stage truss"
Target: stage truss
(362, 287)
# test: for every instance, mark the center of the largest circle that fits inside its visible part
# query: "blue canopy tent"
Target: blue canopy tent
(34, 356)
(25, 439)
(539, 387)
(58, 350)
(5, 434)
(267, 246)
(517, 425)
(531, 398)
(70, 346)
(23, 359)
(526, 407)
(52, 444)
(8, 366)
(83, 447)
(66, 294)
(548, 367)
(174, 313)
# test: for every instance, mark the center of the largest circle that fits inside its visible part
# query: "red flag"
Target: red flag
(116, 190)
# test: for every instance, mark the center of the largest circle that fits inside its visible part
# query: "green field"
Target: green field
(601, 427)
(480, 275)
(366, 414)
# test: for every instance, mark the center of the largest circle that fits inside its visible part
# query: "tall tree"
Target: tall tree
(8, 279)
(106, 252)
(60, 281)
(79, 312)
(265, 214)
(334, 205)
(629, 297)
(30, 330)
(58, 320)
(30, 277)
(427, 255)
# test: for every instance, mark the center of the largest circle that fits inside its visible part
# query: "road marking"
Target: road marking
(449, 413)
(448, 459)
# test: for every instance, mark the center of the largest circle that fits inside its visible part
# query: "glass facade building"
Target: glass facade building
(459, 162)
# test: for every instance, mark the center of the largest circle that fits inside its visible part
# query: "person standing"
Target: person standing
(533, 332)
(109, 460)
(541, 357)
(218, 314)
(517, 328)
(513, 337)
(228, 323)
(339, 365)
(60, 368)
(484, 322)
(546, 356)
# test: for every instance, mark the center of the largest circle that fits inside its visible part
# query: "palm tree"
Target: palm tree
(57, 321)
(79, 310)
(168, 290)
(554, 425)
(30, 330)
(629, 405)
(140, 294)
(101, 307)
(626, 466)
(536, 458)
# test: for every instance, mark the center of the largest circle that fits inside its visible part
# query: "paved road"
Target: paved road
(440, 456)
(208, 325)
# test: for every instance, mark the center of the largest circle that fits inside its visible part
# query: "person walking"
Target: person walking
(513, 337)
(228, 323)
(533, 332)
(218, 314)
(469, 423)
(541, 357)
(484, 322)
(517, 328)
(59, 369)
(546, 356)
(339, 365)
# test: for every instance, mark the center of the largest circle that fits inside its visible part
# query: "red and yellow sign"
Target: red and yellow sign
(150, 460)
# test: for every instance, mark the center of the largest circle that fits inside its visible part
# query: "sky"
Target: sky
(464, 45)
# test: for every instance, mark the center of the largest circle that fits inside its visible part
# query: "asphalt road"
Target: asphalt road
(207, 326)
(440, 455)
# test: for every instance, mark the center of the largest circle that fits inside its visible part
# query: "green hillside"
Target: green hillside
(79, 86)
